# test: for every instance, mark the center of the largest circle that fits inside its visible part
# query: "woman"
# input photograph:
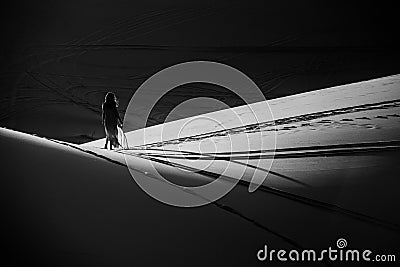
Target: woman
(111, 120)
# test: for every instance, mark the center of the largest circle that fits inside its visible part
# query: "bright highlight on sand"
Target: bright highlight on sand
(208, 72)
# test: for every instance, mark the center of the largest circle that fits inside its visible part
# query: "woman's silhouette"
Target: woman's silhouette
(111, 120)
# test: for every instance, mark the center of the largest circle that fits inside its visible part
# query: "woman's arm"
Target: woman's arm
(103, 117)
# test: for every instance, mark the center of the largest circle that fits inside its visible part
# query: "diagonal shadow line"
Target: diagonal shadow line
(278, 155)
(237, 162)
(301, 148)
(229, 159)
(297, 198)
(273, 173)
(256, 223)
(215, 203)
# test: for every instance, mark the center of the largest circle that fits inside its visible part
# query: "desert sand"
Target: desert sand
(79, 205)
(326, 162)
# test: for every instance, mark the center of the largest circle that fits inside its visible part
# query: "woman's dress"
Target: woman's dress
(111, 118)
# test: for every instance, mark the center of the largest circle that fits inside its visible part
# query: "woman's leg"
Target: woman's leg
(105, 146)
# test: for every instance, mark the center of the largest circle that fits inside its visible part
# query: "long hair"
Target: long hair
(111, 99)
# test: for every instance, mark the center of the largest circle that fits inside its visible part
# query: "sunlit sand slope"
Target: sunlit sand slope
(71, 206)
(338, 145)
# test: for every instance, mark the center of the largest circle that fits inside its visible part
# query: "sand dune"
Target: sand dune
(65, 205)
(331, 155)
(329, 143)
(78, 205)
